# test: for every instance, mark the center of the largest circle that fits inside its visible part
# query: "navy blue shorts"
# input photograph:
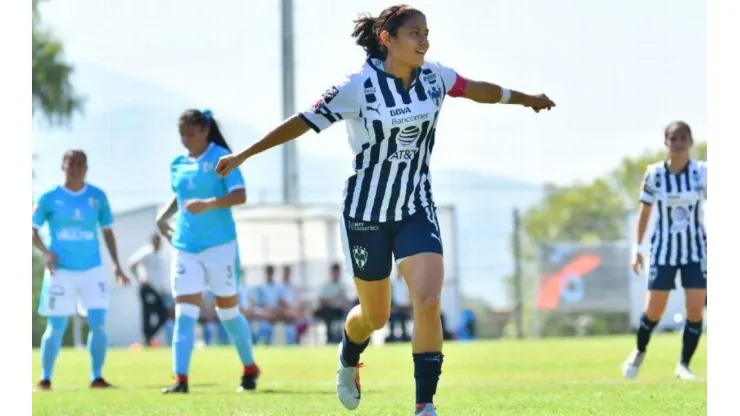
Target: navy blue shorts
(693, 276)
(370, 247)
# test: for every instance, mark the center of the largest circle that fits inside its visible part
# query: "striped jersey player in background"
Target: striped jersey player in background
(204, 245)
(391, 106)
(74, 211)
(676, 189)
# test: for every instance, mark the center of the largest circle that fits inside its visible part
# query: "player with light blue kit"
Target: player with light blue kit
(74, 211)
(204, 244)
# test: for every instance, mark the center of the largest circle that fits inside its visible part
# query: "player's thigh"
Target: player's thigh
(93, 289)
(367, 249)
(661, 281)
(375, 300)
(187, 276)
(219, 262)
(694, 281)
(417, 246)
(58, 294)
(417, 234)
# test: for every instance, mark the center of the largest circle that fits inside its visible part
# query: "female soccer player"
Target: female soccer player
(391, 107)
(74, 212)
(677, 187)
(204, 244)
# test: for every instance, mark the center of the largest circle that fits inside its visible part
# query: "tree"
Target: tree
(53, 94)
(595, 211)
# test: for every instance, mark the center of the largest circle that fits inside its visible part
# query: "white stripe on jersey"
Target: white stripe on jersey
(391, 132)
(679, 236)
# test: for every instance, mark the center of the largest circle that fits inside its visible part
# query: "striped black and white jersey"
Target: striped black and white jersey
(679, 236)
(391, 131)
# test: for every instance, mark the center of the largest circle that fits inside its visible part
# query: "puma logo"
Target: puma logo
(370, 108)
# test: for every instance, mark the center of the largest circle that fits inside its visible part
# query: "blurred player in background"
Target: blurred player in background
(74, 211)
(204, 244)
(676, 189)
(391, 107)
(148, 267)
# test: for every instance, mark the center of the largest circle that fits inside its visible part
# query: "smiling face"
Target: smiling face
(406, 37)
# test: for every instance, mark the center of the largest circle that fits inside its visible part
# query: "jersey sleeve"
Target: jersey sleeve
(234, 181)
(703, 172)
(41, 212)
(453, 82)
(105, 216)
(339, 102)
(647, 190)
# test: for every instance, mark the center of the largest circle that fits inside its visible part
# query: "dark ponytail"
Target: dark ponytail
(368, 28)
(205, 119)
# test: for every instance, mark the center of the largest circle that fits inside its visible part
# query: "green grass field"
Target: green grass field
(553, 377)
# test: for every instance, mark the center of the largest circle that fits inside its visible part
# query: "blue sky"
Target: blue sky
(619, 71)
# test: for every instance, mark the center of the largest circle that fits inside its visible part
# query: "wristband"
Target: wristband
(505, 96)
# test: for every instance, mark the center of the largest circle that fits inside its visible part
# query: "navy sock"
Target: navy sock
(643, 334)
(351, 351)
(427, 368)
(691, 334)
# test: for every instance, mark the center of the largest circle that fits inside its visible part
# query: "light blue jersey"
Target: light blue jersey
(74, 218)
(196, 179)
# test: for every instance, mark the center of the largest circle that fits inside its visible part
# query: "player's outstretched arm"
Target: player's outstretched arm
(488, 93)
(290, 129)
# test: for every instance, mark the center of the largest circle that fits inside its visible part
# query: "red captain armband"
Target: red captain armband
(458, 90)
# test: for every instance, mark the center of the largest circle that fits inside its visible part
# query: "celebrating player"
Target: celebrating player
(391, 106)
(204, 243)
(678, 189)
(74, 212)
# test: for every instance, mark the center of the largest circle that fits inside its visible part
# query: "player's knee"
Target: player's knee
(428, 304)
(56, 326)
(96, 319)
(227, 314)
(377, 319)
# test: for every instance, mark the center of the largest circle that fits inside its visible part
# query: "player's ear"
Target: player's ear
(385, 38)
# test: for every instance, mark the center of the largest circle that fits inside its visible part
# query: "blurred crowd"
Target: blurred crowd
(277, 302)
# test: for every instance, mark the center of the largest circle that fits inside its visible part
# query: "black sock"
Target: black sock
(691, 334)
(427, 368)
(643, 333)
(351, 351)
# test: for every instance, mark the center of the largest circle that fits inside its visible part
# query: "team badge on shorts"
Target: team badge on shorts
(359, 254)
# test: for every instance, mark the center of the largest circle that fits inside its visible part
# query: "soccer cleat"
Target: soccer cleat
(43, 385)
(178, 387)
(684, 373)
(100, 383)
(348, 383)
(631, 367)
(249, 378)
(425, 409)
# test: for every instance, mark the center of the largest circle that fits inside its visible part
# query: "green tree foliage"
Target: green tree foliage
(55, 100)
(594, 211)
(53, 95)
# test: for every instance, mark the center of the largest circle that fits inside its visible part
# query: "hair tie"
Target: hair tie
(208, 114)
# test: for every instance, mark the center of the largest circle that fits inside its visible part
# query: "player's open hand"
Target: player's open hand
(637, 264)
(196, 206)
(226, 164)
(539, 102)
(121, 278)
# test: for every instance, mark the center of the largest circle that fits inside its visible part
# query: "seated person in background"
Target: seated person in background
(295, 309)
(270, 304)
(333, 305)
(400, 309)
